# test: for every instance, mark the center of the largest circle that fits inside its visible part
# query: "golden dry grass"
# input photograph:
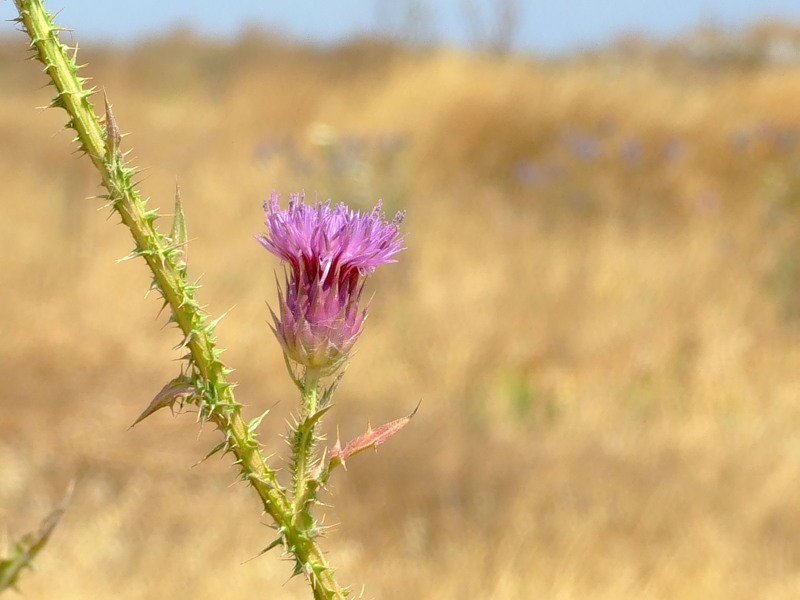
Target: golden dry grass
(598, 308)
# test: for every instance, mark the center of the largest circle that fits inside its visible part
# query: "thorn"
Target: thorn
(277, 542)
(218, 448)
(185, 341)
(255, 423)
(213, 325)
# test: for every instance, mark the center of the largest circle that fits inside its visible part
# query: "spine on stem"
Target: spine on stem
(165, 257)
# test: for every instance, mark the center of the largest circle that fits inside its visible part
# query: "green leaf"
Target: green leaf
(113, 136)
(178, 234)
(179, 389)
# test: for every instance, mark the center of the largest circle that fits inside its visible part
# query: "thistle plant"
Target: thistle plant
(329, 251)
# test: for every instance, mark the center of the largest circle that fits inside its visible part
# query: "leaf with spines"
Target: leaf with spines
(372, 438)
(252, 428)
(178, 234)
(113, 135)
(179, 389)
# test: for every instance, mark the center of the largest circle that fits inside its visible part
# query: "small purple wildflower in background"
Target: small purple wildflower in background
(330, 252)
(581, 145)
(632, 150)
(674, 149)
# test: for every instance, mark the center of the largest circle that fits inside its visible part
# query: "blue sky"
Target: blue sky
(543, 26)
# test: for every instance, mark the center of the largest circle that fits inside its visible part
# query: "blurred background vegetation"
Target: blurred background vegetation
(598, 309)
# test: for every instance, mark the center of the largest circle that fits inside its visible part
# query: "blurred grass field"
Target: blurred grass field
(598, 309)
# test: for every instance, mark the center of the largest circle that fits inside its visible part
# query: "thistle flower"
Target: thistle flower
(329, 251)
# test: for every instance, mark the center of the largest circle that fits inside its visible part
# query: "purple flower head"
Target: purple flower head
(330, 251)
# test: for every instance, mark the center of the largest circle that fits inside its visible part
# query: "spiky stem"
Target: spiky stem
(304, 441)
(164, 258)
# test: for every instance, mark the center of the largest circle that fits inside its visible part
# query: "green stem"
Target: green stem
(163, 258)
(310, 392)
(305, 438)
